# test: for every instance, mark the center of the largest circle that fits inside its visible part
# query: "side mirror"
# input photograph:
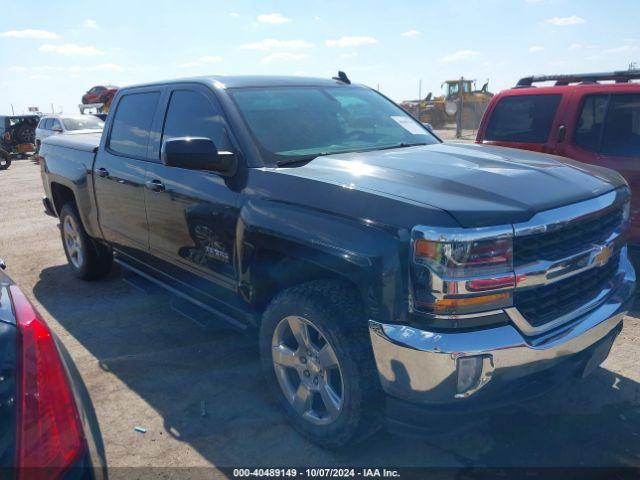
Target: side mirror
(197, 153)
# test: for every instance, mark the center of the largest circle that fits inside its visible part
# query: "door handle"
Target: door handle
(103, 172)
(562, 133)
(155, 185)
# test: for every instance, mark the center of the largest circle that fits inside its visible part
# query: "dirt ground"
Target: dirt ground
(145, 365)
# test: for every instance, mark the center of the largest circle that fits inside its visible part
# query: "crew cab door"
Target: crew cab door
(120, 172)
(607, 133)
(192, 214)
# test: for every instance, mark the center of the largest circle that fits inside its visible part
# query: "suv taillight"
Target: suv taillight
(49, 432)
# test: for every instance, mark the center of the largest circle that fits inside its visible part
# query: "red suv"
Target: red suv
(579, 117)
(99, 94)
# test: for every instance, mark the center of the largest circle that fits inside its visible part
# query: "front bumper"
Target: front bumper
(426, 367)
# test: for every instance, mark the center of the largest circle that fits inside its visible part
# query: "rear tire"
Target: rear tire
(88, 259)
(337, 354)
(5, 159)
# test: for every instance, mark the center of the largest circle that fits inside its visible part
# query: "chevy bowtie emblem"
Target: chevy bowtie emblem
(602, 256)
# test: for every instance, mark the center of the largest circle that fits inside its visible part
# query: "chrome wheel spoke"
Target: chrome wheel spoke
(310, 377)
(302, 399)
(330, 399)
(300, 332)
(327, 357)
(285, 357)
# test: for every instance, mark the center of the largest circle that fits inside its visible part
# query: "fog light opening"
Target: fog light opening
(474, 372)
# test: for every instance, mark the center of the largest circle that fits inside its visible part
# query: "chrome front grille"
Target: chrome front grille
(542, 305)
(566, 260)
(574, 237)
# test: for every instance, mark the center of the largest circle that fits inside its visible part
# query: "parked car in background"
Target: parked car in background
(388, 276)
(17, 137)
(58, 124)
(578, 117)
(99, 94)
(48, 428)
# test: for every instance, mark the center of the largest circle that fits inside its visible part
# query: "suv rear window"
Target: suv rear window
(132, 123)
(525, 118)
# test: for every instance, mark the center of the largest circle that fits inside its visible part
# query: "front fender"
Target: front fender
(370, 256)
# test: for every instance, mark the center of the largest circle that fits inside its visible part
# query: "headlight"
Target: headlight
(462, 271)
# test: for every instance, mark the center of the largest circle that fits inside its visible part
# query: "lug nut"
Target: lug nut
(306, 373)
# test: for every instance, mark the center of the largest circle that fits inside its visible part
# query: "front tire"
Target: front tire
(317, 360)
(88, 259)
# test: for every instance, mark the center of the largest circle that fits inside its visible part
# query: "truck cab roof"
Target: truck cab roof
(247, 81)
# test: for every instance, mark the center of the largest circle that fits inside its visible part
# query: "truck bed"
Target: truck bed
(87, 142)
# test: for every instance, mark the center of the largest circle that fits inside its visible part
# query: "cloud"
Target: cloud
(284, 57)
(344, 42)
(90, 24)
(565, 21)
(273, 18)
(460, 55)
(201, 61)
(31, 33)
(621, 49)
(211, 58)
(234, 14)
(536, 49)
(272, 44)
(103, 67)
(69, 49)
(411, 33)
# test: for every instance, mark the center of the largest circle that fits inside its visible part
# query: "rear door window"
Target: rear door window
(132, 124)
(525, 118)
(590, 122)
(622, 127)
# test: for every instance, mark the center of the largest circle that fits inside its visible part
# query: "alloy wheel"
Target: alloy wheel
(308, 370)
(73, 242)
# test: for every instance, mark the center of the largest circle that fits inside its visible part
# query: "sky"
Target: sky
(52, 52)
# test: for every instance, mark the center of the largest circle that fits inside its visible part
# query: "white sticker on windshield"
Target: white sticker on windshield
(409, 125)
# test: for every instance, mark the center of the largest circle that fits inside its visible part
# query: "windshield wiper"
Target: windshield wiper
(401, 145)
(308, 158)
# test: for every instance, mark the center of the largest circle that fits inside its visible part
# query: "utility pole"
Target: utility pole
(419, 98)
(460, 105)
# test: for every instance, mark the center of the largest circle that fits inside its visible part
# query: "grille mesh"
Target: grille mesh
(570, 239)
(544, 304)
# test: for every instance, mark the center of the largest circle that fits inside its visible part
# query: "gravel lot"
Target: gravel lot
(145, 365)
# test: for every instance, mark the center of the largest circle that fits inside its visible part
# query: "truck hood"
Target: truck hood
(478, 185)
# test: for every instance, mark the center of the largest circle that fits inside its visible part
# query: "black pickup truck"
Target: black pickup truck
(388, 275)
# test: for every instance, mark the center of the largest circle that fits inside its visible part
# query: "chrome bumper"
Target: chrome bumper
(425, 367)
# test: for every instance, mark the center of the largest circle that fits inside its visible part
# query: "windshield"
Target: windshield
(296, 123)
(81, 123)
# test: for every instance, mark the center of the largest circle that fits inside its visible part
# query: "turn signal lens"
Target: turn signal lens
(470, 304)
